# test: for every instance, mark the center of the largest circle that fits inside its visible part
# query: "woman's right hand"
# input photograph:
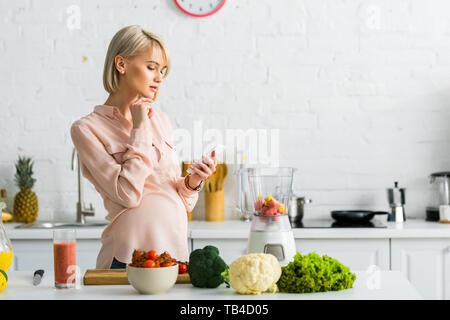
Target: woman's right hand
(141, 111)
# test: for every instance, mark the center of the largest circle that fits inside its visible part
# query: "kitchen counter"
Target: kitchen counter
(27, 233)
(389, 285)
(236, 229)
(412, 228)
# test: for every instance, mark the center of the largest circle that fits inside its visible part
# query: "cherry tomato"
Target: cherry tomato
(136, 253)
(152, 255)
(182, 268)
(150, 259)
(165, 255)
(149, 264)
(159, 260)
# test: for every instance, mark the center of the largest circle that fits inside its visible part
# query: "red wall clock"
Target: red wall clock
(200, 8)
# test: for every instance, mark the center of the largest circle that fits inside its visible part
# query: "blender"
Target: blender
(439, 194)
(270, 231)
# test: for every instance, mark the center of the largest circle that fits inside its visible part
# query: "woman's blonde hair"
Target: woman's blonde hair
(129, 42)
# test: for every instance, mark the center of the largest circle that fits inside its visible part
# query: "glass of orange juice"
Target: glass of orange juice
(6, 249)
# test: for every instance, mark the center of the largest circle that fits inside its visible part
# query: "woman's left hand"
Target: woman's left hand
(206, 170)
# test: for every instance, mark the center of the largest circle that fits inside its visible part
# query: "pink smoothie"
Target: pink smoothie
(64, 255)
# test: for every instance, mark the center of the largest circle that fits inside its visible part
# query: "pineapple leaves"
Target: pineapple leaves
(24, 173)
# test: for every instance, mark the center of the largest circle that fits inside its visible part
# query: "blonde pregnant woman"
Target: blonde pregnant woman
(126, 151)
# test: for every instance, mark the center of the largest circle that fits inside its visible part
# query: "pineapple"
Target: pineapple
(25, 202)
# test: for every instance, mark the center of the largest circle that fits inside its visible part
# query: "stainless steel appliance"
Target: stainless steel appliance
(396, 198)
(296, 208)
(439, 194)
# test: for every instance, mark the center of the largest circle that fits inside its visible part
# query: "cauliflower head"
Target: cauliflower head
(254, 273)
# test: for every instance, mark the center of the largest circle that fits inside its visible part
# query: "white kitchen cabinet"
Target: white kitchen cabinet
(38, 254)
(357, 254)
(425, 263)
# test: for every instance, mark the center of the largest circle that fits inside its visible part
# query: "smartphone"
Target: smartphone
(189, 170)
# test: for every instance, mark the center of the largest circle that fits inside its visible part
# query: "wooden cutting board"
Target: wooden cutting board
(116, 276)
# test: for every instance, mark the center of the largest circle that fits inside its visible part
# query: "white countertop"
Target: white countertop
(387, 285)
(412, 228)
(32, 234)
(236, 229)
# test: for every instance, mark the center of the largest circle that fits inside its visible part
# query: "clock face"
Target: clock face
(200, 8)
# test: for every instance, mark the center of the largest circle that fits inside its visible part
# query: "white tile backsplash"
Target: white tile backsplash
(359, 90)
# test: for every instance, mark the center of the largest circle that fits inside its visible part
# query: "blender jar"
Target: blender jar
(269, 182)
(439, 194)
(261, 223)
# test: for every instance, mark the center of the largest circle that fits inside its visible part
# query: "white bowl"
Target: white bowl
(152, 280)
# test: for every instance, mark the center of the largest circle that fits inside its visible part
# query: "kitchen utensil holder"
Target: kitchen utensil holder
(214, 206)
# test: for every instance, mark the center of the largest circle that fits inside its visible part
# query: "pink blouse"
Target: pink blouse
(144, 193)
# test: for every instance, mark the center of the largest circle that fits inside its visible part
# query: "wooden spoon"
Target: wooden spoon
(223, 175)
(218, 174)
(212, 182)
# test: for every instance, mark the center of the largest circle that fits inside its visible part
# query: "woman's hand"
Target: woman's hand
(206, 170)
(141, 110)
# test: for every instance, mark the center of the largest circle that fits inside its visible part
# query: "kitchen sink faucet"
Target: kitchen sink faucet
(82, 211)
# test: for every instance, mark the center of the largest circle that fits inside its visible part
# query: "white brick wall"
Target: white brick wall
(360, 90)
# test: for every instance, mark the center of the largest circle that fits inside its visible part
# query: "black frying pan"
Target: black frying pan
(354, 215)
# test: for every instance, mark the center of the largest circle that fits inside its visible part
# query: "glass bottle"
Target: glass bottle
(6, 249)
(4, 198)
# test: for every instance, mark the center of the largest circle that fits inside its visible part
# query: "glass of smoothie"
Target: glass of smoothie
(6, 250)
(64, 257)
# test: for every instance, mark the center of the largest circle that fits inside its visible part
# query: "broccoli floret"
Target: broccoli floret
(205, 267)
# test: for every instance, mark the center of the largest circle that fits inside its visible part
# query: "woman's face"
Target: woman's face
(144, 73)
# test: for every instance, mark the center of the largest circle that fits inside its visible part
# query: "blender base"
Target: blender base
(280, 244)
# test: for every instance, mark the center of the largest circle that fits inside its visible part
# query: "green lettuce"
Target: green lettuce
(313, 273)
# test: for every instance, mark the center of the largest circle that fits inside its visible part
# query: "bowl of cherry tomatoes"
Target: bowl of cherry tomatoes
(150, 273)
